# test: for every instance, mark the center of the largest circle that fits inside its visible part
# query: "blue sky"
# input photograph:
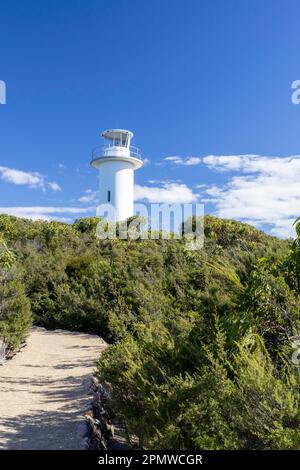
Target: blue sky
(207, 83)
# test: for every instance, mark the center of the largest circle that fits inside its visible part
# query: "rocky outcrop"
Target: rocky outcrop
(106, 431)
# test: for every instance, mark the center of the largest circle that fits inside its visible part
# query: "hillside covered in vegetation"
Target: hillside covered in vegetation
(201, 342)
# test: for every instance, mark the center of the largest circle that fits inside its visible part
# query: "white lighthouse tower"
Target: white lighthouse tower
(116, 162)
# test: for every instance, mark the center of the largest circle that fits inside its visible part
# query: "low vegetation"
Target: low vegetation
(15, 313)
(201, 342)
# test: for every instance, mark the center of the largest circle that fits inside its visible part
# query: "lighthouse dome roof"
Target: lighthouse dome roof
(113, 133)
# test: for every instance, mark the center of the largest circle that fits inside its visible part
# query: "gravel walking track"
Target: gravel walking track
(45, 390)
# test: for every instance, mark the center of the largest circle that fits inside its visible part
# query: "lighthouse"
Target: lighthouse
(116, 162)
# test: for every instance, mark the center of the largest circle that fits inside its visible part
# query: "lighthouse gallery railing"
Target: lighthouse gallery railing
(106, 151)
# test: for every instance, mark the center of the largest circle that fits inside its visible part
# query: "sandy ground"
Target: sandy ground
(45, 389)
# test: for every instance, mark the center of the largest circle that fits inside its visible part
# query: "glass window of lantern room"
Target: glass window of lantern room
(118, 140)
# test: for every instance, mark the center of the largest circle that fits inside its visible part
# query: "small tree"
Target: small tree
(15, 313)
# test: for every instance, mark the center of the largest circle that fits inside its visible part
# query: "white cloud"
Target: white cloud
(54, 186)
(283, 228)
(146, 161)
(164, 181)
(89, 196)
(266, 192)
(187, 161)
(32, 179)
(225, 162)
(281, 166)
(169, 193)
(173, 159)
(213, 191)
(192, 161)
(46, 212)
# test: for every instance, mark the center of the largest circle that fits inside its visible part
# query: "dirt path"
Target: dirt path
(44, 391)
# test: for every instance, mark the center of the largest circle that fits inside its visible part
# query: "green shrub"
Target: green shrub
(200, 353)
(15, 313)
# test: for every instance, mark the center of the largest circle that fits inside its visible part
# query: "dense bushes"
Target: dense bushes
(15, 313)
(215, 371)
(200, 353)
(293, 262)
